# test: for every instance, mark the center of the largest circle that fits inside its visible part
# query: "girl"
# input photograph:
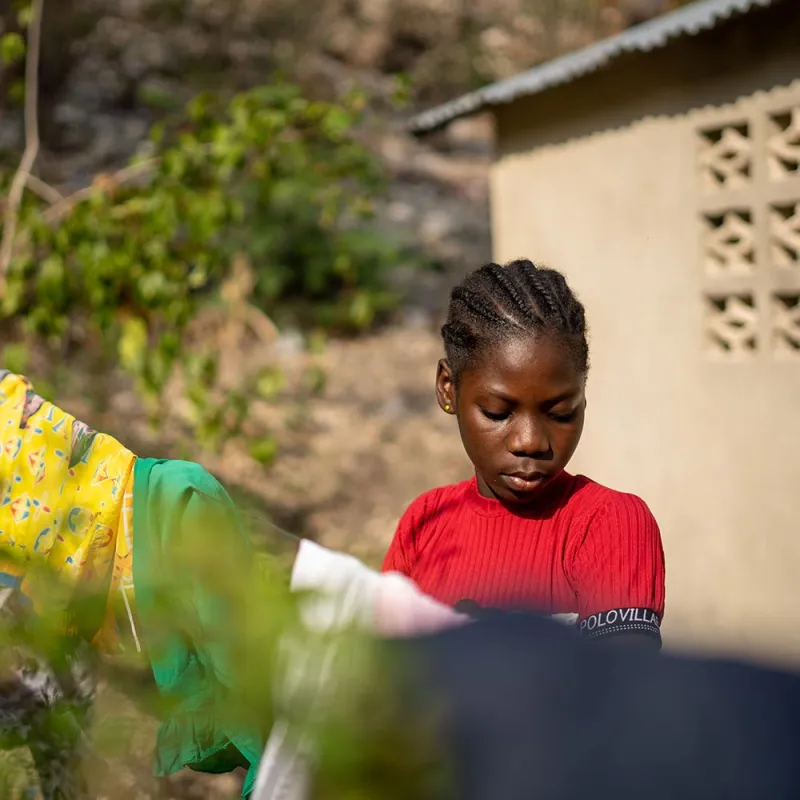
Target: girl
(523, 533)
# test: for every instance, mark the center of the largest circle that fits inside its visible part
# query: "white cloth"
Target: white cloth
(342, 593)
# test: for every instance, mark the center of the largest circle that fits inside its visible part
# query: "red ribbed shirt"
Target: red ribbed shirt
(582, 548)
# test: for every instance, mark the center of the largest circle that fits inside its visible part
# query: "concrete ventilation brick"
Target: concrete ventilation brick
(786, 324)
(729, 242)
(783, 144)
(725, 156)
(748, 211)
(784, 235)
(731, 325)
(783, 221)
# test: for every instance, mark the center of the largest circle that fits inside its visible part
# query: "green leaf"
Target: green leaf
(12, 300)
(133, 345)
(157, 133)
(51, 284)
(12, 48)
(263, 450)
(25, 15)
(362, 310)
(16, 357)
(337, 123)
(16, 92)
(200, 106)
(316, 342)
(270, 383)
(402, 93)
(314, 380)
(157, 98)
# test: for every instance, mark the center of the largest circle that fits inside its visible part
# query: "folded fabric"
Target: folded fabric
(65, 504)
(340, 593)
(173, 502)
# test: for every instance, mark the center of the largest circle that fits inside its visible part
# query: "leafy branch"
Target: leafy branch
(243, 215)
(23, 173)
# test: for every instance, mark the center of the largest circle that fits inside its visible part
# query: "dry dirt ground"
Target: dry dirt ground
(358, 454)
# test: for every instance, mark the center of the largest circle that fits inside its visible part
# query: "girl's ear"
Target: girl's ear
(445, 387)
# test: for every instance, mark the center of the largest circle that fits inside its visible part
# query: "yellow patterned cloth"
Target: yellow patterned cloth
(66, 501)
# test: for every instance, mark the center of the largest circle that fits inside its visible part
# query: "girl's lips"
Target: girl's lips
(525, 481)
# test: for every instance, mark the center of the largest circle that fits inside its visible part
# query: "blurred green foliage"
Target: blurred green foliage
(268, 176)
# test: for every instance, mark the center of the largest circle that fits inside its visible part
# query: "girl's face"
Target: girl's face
(520, 412)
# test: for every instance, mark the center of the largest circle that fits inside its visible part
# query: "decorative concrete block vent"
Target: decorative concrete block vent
(726, 157)
(748, 176)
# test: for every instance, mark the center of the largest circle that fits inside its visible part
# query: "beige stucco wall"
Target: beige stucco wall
(611, 196)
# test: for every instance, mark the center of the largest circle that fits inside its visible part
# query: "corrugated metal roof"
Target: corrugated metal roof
(686, 21)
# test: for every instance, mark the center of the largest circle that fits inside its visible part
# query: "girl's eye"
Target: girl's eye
(497, 417)
(564, 417)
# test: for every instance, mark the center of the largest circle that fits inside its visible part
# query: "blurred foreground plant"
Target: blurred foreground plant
(365, 744)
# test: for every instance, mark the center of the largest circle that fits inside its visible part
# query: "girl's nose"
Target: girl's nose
(528, 438)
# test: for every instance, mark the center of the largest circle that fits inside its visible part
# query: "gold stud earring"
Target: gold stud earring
(447, 406)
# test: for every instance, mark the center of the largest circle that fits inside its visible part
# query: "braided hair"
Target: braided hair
(494, 302)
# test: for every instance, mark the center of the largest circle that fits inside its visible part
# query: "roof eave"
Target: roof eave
(655, 34)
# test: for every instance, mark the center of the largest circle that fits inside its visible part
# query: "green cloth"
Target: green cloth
(194, 672)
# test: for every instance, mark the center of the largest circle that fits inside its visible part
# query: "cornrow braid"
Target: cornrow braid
(495, 301)
(541, 289)
(459, 334)
(506, 283)
(477, 304)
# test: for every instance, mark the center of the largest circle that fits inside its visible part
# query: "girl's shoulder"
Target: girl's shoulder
(438, 501)
(586, 496)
